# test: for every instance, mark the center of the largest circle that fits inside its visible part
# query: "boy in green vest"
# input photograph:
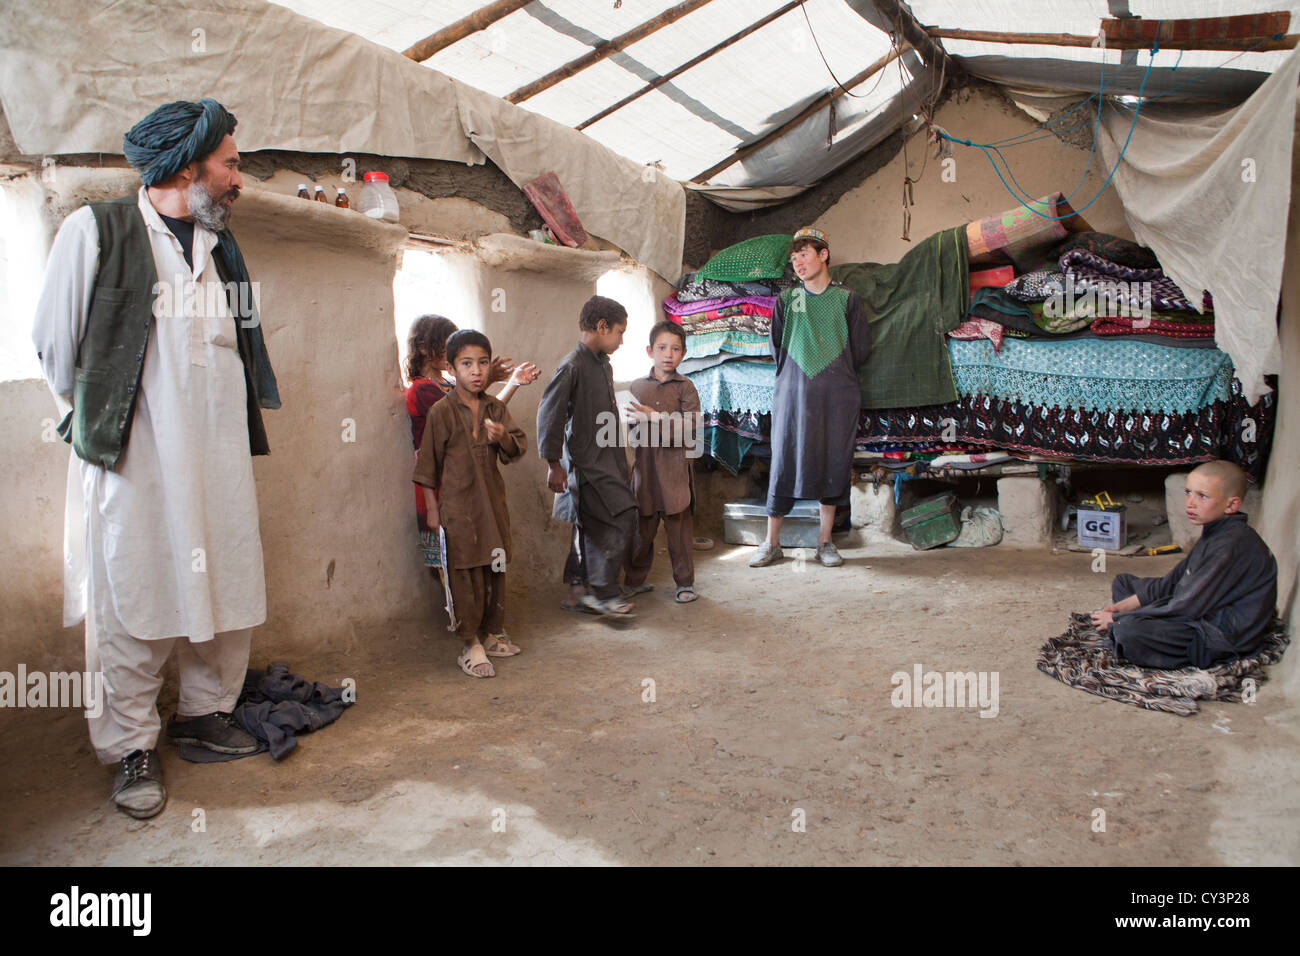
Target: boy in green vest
(819, 339)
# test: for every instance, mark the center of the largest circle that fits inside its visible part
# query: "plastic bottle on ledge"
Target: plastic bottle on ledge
(302, 191)
(320, 194)
(341, 200)
(377, 200)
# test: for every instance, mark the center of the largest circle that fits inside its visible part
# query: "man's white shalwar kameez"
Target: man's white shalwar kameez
(167, 546)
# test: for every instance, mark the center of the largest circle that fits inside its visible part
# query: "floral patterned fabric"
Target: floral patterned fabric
(1083, 657)
(1232, 430)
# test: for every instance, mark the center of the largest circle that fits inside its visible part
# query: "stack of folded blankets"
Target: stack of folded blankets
(1094, 355)
(726, 311)
(1082, 350)
(1096, 285)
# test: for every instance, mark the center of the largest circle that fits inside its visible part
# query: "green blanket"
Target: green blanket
(912, 304)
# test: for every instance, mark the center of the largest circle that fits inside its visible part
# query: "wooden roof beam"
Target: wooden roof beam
(659, 81)
(480, 19)
(931, 51)
(1257, 32)
(817, 104)
(605, 50)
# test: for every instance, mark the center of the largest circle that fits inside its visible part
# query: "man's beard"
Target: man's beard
(207, 212)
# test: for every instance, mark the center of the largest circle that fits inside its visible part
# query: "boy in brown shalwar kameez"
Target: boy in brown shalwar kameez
(464, 436)
(666, 421)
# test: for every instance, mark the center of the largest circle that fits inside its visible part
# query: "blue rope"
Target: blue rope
(1046, 129)
(1095, 130)
(1023, 197)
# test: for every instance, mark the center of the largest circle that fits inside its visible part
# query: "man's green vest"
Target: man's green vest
(110, 358)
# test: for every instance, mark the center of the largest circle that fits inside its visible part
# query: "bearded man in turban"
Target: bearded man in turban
(149, 338)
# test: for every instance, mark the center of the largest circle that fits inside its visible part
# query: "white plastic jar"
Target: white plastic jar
(377, 200)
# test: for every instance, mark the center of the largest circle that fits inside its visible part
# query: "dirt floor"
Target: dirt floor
(771, 704)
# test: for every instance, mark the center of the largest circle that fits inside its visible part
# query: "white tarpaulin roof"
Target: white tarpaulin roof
(695, 120)
(758, 83)
(75, 73)
(74, 76)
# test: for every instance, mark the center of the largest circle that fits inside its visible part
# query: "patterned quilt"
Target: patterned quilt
(1083, 658)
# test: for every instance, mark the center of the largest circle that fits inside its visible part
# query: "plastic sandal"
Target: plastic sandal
(471, 658)
(606, 608)
(500, 645)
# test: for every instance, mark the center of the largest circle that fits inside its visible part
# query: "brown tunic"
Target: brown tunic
(661, 476)
(463, 467)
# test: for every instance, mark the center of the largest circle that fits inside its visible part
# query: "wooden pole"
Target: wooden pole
(1288, 42)
(605, 50)
(924, 43)
(659, 81)
(817, 104)
(480, 19)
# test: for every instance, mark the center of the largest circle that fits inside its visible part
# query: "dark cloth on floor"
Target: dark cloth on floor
(479, 596)
(1085, 658)
(599, 548)
(821, 342)
(275, 706)
(1216, 603)
(912, 305)
(679, 530)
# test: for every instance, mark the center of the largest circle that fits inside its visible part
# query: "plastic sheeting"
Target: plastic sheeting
(703, 115)
(295, 84)
(75, 76)
(636, 207)
(1209, 193)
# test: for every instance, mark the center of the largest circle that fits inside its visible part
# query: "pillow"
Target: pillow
(763, 257)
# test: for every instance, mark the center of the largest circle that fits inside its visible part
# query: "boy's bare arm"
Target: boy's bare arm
(524, 374)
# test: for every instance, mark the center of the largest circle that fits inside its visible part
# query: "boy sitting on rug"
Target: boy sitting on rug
(1216, 604)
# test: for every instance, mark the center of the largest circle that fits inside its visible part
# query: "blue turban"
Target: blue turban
(175, 135)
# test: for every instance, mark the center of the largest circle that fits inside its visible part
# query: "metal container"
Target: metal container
(932, 522)
(745, 522)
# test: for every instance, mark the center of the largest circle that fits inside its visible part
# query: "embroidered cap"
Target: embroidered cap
(815, 235)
